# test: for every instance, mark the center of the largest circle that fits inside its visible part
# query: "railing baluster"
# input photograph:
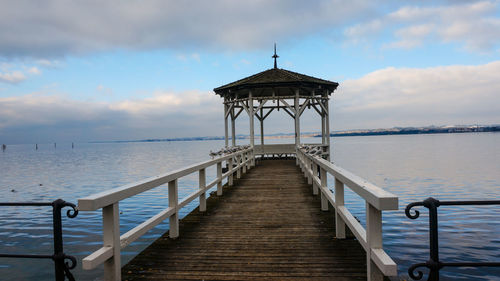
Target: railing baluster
(339, 201)
(238, 166)
(202, 182)
(219, 177)
(324, 187)
(230, 168)
(244, 160)
(173, 201)
(111, 238)
(373, 240)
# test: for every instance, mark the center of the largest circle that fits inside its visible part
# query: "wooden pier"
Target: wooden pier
(268, 226)
(277, 220)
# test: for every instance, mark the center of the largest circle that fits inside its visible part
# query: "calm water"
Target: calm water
(414, 167)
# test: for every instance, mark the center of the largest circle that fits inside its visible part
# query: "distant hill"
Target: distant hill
(418, 130)
(361, 132)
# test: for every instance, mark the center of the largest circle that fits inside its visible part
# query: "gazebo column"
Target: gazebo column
(251, 114)
(226, 132)
(327, 126)
(233, 127)
(323, 135)
(262, 127)
(297, 118)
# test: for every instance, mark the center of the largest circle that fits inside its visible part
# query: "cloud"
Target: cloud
(414, 97)
(11, 74)
(34, 70)
(55, 28)
(44, 117)
(474, 25)
(12, 77)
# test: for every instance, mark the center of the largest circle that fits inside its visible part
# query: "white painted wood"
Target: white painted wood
(262, 127)
(297, 118)
(323, 186)
(274, 149)
(230, 167)
(202, 184)
(141, 229)
(226, 130)
(353, 224)
(373, 240)
(244, 159)
(376, 196)
(384, 262)
(108, 197)
(238, 162)
(327, 128)
(233, 128)
(219, 179)
(251, 116)
(303, 107)
(111, 238)
(378, 262)
(96, 258)
(173, 201)
(293, 110)
(339, 199)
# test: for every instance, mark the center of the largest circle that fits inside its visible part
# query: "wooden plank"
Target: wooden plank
(268, 226)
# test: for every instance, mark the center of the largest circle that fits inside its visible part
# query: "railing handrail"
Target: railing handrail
(378, 197)
(378, 261)
(109, 254)
(108, 197)
(434, 264)
(62, 268)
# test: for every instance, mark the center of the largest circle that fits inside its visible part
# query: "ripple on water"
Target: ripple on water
(447, 167)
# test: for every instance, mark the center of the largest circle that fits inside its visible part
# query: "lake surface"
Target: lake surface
(414, 167)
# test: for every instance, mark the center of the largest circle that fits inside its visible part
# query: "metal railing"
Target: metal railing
(109, 254)
(434, 264)
(316, 169)
(62, 267)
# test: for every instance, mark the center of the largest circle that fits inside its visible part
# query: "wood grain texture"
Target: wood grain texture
(268, 226)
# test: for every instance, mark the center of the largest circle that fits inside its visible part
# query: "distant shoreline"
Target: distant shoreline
(347, 133)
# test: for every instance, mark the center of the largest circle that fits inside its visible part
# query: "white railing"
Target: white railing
(108, 201)
(377, 200)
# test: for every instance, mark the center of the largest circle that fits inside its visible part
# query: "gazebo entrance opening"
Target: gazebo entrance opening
(273, 90)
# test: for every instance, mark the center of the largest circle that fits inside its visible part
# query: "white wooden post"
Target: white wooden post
(243, 160)
(226, 132)
(309, 172)
(262, 127)
(324, 186)
(219, 177)
(297, 118)
(327, 127)
(238, 166)
(373, 240)
(233, 127)
(339, 201)
(173, 200)
(323, 134)
(111, 238)
(203, 199)
(230, 168)
(251, 114)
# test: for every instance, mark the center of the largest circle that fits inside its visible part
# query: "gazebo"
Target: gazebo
(290, 91)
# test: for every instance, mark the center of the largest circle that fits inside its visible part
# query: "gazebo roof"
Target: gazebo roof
(275, 81)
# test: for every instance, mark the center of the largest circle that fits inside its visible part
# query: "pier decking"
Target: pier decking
(268, 226)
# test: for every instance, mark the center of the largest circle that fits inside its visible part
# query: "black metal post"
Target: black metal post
(432, 205)
(434, 264)
(58, 242)
(62, 268)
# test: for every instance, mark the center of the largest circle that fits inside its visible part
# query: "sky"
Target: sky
(97, 70)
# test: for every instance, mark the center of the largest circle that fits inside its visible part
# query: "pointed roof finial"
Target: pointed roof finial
(275, 56)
